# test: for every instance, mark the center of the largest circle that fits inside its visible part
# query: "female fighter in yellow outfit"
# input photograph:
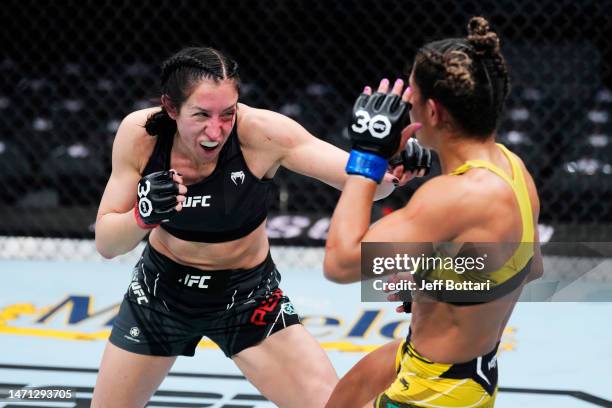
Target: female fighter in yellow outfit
(457, 89)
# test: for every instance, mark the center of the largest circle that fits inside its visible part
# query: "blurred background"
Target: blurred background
(71, 70)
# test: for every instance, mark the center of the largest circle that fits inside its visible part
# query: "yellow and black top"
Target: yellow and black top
(491, 285)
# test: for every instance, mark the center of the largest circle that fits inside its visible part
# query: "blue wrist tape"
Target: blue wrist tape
(366, 164)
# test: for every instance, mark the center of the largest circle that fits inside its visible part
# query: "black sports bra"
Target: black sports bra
(228, 204)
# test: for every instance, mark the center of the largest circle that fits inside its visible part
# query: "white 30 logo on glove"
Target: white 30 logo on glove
(379, 125)
(145, 207)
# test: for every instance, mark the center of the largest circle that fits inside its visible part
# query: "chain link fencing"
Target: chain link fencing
(71, 70)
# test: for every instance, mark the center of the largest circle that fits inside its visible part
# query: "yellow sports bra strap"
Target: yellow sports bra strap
(473, 164)
(517, 183)
(517, 173)
(519, 186)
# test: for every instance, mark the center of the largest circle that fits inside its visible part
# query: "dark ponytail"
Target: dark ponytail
(160, 124)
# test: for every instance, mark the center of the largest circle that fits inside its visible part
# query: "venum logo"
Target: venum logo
(492, 363)
(195, 201)
(237, 175)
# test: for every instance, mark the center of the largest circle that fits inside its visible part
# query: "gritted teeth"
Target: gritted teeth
(209, 144)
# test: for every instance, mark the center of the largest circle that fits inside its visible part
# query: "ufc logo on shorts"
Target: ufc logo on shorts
(200, 280)
(195, 201)
(139, 292)
(378, 125)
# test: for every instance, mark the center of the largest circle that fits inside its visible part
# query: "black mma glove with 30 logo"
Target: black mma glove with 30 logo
(406, 299)
(414, 157)
(156, 199)
(375, 130)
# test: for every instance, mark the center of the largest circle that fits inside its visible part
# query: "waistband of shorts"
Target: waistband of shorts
(466, 367)
(151, 255)
(481, 369)
(195, 292)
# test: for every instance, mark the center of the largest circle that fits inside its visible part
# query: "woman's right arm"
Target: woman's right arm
(116, 229)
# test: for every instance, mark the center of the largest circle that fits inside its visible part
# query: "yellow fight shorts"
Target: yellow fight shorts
(423, 383)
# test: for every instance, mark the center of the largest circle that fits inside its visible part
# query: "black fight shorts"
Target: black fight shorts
(169, 307)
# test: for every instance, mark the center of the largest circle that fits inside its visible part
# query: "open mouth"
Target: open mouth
(209, 146)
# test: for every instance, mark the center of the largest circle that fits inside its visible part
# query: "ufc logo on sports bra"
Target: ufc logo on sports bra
(199, 280)
(197, 201)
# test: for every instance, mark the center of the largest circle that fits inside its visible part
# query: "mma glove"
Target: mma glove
(156, 199)
(406, 297)
(375, 131)
(414, 157)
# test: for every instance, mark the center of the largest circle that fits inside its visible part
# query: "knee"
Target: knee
(99, 402)
(324, 385)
